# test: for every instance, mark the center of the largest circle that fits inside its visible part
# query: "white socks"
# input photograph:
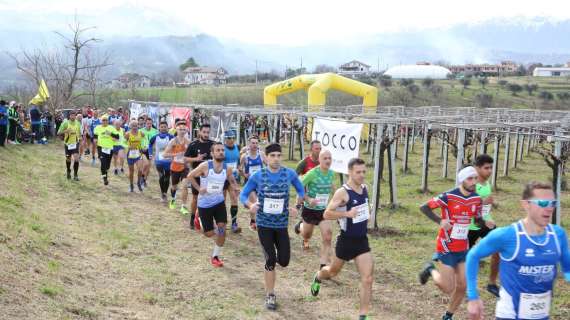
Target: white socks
(217, 251)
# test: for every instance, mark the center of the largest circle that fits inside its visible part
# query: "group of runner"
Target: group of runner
(525, 254)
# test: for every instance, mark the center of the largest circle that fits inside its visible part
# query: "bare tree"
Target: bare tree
(71, 70)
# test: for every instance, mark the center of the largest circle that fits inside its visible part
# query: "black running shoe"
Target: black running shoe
(105, 181)
(75, 178)
(298, 227)
(271, 302)
(493, 289)
(425, 274)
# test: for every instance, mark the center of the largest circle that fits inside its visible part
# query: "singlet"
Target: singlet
(214, 184)
(135, 144)
(484, 191)
(178, 163)
(318, 185)
(159, 143)
(458, 209)
(253, 165)
(527, 277)
(232, 159)
(355, 227)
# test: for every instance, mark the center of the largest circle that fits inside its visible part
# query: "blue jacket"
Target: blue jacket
(3, 115)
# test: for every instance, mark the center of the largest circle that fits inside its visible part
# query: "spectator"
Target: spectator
(13, 117)
(3, 122)
(36, 120)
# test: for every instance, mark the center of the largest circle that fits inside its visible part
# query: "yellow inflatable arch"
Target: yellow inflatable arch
(318, 85)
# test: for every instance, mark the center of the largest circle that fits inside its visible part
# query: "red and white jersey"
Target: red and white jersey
(458, 209)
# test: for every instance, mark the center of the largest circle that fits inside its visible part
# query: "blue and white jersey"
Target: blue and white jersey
(253, 165)
(157, 145)
(232, 159)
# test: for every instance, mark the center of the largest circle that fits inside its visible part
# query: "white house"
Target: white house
(551, 72)
(205, 75)
(354, 69)
(131, 80)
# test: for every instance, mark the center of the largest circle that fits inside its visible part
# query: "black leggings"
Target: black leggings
(275, 245)
(105, 161)
(163, 178)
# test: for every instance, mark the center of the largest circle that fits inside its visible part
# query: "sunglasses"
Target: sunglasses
(544, 203)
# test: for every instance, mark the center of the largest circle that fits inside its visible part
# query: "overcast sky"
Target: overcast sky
(288, 22)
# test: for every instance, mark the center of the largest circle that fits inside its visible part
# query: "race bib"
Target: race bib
(273, 206)
(534, 306)
(215, 187)
(486, 210)
(133, 154)
(459, 231)
(106, 150)
(363, 213)
(179, 158)
(72, 146)
(254, 169)
(232, 165)
(322, 199)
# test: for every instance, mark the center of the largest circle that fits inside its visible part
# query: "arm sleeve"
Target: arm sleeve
(307, 178)
(297, 184)
(495, 241)
(151, 144)
(249, 187)
(565, 252)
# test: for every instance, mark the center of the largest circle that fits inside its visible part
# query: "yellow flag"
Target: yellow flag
(42, 96)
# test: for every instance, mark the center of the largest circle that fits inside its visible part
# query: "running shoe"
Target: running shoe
(183, 210)
(493, 289)
(315, 286)
(298, 227)
(75, 178)
(363, 317)
(139, 185)
(172, 204)
(271, 302)
(425, 274)
(69, 176)
(163, 198)
(116, 172)
(235, 228)
(131, 188)
(105, 180)
(216, 262)
(197, 222)
(253, 226)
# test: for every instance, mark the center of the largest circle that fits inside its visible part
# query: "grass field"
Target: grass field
(453, 94)
(79, 250)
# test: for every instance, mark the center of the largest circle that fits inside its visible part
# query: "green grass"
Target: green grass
(89, 251)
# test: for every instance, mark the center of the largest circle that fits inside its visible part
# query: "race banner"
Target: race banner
(341, 138)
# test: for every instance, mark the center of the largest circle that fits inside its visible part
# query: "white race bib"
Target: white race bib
(534, 306)
(363, 213)
(273, 206)
(179, 158)
(232, 165)
(459, 231)
(486, 209)
(322, 199)
(106, 150)
(254, 169)
(72, 146)
(133, 154)
(214, 187)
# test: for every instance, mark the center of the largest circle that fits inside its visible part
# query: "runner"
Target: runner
(149, 131)
(312, 160)
(214, 174)
(178, 168)
(530, 251)
(484, 167)
(458, 206)
(251, 162)
(350, 207)
(119, 148)
(71, 133)
(197, 152)
(232, 157)
(81, 138)
(95, 121)
(157, 145)
(272, 214)
(318, 184)
(135, 140)
(105, 137)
